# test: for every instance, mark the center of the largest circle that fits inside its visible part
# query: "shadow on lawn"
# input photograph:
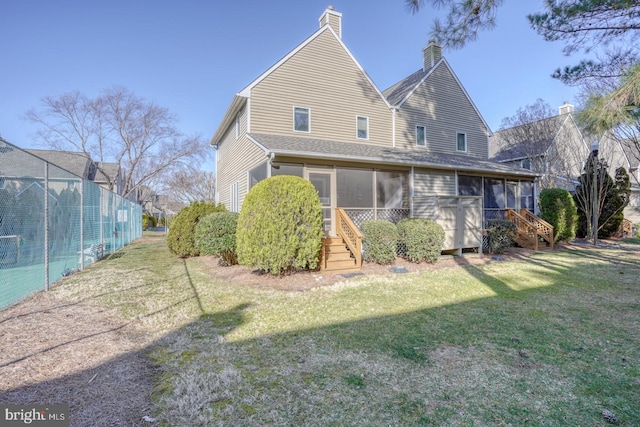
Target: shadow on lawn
(511, 321)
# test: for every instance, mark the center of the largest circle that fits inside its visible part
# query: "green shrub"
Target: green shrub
(501, 234)
(145, 221)
(558, 208)
(216, 235)
(181, 237)
(280, 226)
(422, 239)
(379, 241)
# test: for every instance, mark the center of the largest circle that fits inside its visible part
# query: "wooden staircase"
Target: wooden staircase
(531, 230)
(342, 253)
(336, 256)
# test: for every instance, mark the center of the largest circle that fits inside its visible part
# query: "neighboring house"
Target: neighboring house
(106, 175)
(417, 149)
(558, 149)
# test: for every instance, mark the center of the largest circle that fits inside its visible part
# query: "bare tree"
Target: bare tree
(547, 141)
(188, 186)
(120, 127)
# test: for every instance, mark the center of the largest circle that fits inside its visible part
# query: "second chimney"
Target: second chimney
(432, 54)
(332, 18)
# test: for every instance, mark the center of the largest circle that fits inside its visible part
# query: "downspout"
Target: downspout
(393, 127)
(272, 156)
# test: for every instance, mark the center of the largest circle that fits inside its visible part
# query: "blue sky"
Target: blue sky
(193, 56)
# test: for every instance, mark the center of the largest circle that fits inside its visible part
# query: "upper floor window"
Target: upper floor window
(363, 127)
(461, 142)
(421, 136)
(526, 164)
(301, 119)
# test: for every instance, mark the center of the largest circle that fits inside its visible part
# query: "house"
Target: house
(417, 149)
(557, 148)
(106, 175)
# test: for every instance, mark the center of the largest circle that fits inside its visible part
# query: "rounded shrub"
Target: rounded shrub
(558, 208)
(422, 239)
(379, 241)
(181, 236)
(280, 226)
(216, 235)
(501, 234)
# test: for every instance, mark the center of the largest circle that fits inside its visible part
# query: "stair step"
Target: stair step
(340, 264)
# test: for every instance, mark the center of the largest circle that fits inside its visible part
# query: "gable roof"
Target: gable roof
(398, 93)
(240, 99)
(76, 162)
(522, 150)
(311, 148)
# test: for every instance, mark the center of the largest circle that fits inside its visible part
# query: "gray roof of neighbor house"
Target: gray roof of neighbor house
(550, 126)
(79, 164)
(375, 154)
(75, 162)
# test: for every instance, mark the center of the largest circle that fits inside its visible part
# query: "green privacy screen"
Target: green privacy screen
(53, 223)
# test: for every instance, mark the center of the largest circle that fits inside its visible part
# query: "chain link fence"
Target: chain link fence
(53, 223)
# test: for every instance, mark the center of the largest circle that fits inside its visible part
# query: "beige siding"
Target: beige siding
(236, 157)
(441, 105)
(429, 183)
(324, 78)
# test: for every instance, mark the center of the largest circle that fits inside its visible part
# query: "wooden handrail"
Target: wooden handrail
(545, 230)
(350, 234)
(526, 230)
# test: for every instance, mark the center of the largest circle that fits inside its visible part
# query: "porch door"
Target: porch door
(324, 181)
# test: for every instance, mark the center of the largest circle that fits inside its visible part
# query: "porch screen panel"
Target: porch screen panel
(355, 188)
(494, 198)
(527, 196)
(257, 174)
(392, 190)
(469, 185)
(287, 169)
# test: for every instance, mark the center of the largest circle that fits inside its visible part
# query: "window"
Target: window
(461, 142)
(257, 174)
(363, 127)
(301, 119)
(238, 126)
(421, 136)
(526, 164)
(233, 202)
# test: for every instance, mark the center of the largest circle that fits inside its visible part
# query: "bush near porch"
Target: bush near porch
(422, 239)
(380, 241)
(280, 226)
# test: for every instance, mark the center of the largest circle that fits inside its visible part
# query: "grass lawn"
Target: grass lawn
(549, 341)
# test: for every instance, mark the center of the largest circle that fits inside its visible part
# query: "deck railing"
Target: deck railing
(350, 234)
(527, 234)
(545, 230)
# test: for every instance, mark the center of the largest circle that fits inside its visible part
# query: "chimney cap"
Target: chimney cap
(330, 7)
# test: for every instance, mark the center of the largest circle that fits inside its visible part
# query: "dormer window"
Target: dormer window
(461, 142)
(421, 136)
(362, 125)
(526, 164)
(301, 119)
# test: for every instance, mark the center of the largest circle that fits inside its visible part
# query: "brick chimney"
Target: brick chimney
(566, 108)
(332, 18)
(432, 54)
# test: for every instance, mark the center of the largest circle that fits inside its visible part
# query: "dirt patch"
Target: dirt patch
(305, 280)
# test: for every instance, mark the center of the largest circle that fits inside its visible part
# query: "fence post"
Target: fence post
(46, 226)
(82, 224)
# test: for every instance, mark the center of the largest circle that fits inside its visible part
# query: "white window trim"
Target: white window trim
(425, 136)
(308, 119)
(466, 143)
(367, 119)
(238, 125)
(234, 197)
